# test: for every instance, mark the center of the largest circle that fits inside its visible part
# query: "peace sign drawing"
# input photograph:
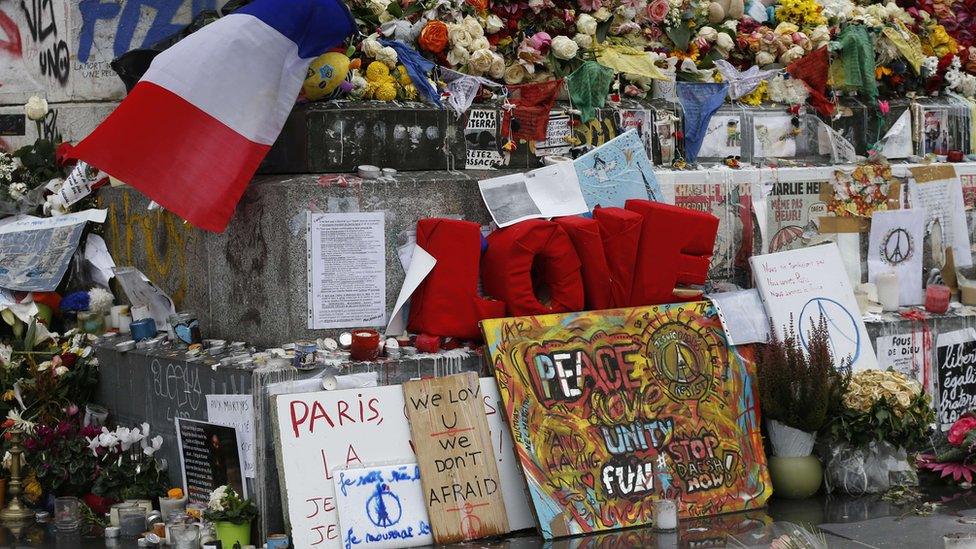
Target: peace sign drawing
(843, 334)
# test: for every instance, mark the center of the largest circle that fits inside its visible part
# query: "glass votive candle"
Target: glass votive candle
(95, 414)
(67, 513)
(184, 536)
(665, 515)
(169, 506)
(132, 521)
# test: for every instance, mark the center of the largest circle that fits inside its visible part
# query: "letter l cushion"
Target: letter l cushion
(675, 248)
(506, 271)
(447, 303)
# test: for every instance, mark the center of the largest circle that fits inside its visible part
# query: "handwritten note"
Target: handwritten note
(236, 411)
(803, 287)
(902, 353)
(956, 360)
(382, 507)
(937, 189)
(454, 452)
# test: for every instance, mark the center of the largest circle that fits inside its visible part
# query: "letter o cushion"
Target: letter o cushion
(506, 268)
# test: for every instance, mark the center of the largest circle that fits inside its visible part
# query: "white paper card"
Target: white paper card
(942, 200)
(898, 140)
(895, 245)
(382, 507)
(346, 270)
(236, 411)
(809, 284)
(901, 353)
(742, 315)
(421, 263)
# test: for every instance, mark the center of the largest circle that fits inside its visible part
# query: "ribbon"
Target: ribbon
(417, 67)
(812, 69)
(699, 101)
(588, 88)
(527, 110)
(919, 317)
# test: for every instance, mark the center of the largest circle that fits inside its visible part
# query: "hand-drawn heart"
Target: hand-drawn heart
(184, 331)
(587, 479)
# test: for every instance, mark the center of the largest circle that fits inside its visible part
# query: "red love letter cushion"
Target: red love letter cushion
(585, 235)
(447, 303)
(620, 231)
(507, 268)
(675, 248)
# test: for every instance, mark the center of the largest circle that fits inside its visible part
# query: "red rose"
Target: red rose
(961, 428)
(433, 37)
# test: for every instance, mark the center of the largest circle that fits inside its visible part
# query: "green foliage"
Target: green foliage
(39, 163)
(883, 423)
(799, 389)
(130, 475)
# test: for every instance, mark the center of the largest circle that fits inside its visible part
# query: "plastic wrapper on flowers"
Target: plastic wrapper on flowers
(866, 470)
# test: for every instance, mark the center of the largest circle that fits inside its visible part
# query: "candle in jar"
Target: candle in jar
(665, 515)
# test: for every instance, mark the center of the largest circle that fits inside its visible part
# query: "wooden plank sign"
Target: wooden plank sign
(459, 473)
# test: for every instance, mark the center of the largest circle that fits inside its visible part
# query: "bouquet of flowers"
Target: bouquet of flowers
(226, 505)
(126, 463)
(953, 452)
(59, 456)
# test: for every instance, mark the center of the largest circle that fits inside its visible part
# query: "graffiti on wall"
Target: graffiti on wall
(610, 410)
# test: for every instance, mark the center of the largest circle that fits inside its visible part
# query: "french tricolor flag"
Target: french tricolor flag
(191, 133)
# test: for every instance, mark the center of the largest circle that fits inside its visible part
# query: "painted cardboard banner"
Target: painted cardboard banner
(610, 410)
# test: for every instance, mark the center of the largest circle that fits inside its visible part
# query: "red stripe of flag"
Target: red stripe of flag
(141, 140)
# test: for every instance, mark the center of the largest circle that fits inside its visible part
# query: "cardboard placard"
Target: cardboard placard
(454, 451)
(610, 410)
(210, 458)
(955, 357)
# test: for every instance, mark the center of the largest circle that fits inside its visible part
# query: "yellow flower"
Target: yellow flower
(410, 91)
(402, 76)
(377, 71)
(756, 96)
(881, 71)
(9, 395)
(386, 92)
(175, 493)
(32, 489)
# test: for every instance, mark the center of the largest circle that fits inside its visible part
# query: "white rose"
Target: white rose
(494, 24)
(514, 74)
(586, 24)
(378, 7)
(731, 24)
(480, 43)
(459, 37)
(724, 42)
(625, 13)
(497, 69)
(473, 27)
(480, 61)
(36, 108)
(458, 56)
(371, 47)
(564, 47)
(17, 190)
(388, 56)
(708, 34)
(602, 14)
(584, 41)
(791, 55)
(820, 36)
(765, 58)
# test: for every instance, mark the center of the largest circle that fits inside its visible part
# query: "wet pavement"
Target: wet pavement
(842, 521)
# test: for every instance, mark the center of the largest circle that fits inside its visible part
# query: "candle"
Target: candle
(888, 290)
(937, 298)
(365, 345)
(132, 521)
(665, 515)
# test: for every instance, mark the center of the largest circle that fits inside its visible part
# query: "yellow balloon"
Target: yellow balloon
(324, 75)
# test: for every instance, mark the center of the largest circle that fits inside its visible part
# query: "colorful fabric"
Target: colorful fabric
(588, 88)
(699, 101)
(857, 52)
(462, 89)
(742, 82)
(418, 67)
(527, 111)
(629, 61)
(194, 129)
(812, 70)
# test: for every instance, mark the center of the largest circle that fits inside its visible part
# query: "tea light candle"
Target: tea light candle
(888, 292)
(665, 515)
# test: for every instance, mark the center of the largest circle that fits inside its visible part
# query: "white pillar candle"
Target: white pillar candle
(665, 515)
(888, 291)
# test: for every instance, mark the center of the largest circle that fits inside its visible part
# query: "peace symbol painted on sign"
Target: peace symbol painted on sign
(842, 332)
(897, 247)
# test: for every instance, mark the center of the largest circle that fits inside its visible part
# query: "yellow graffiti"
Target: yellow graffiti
(159, 252)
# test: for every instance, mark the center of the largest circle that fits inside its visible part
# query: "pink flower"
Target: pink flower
(540, 41)
(636, 5)
(883, 107)
(658, 10)
(961, 428)
(590, 5)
